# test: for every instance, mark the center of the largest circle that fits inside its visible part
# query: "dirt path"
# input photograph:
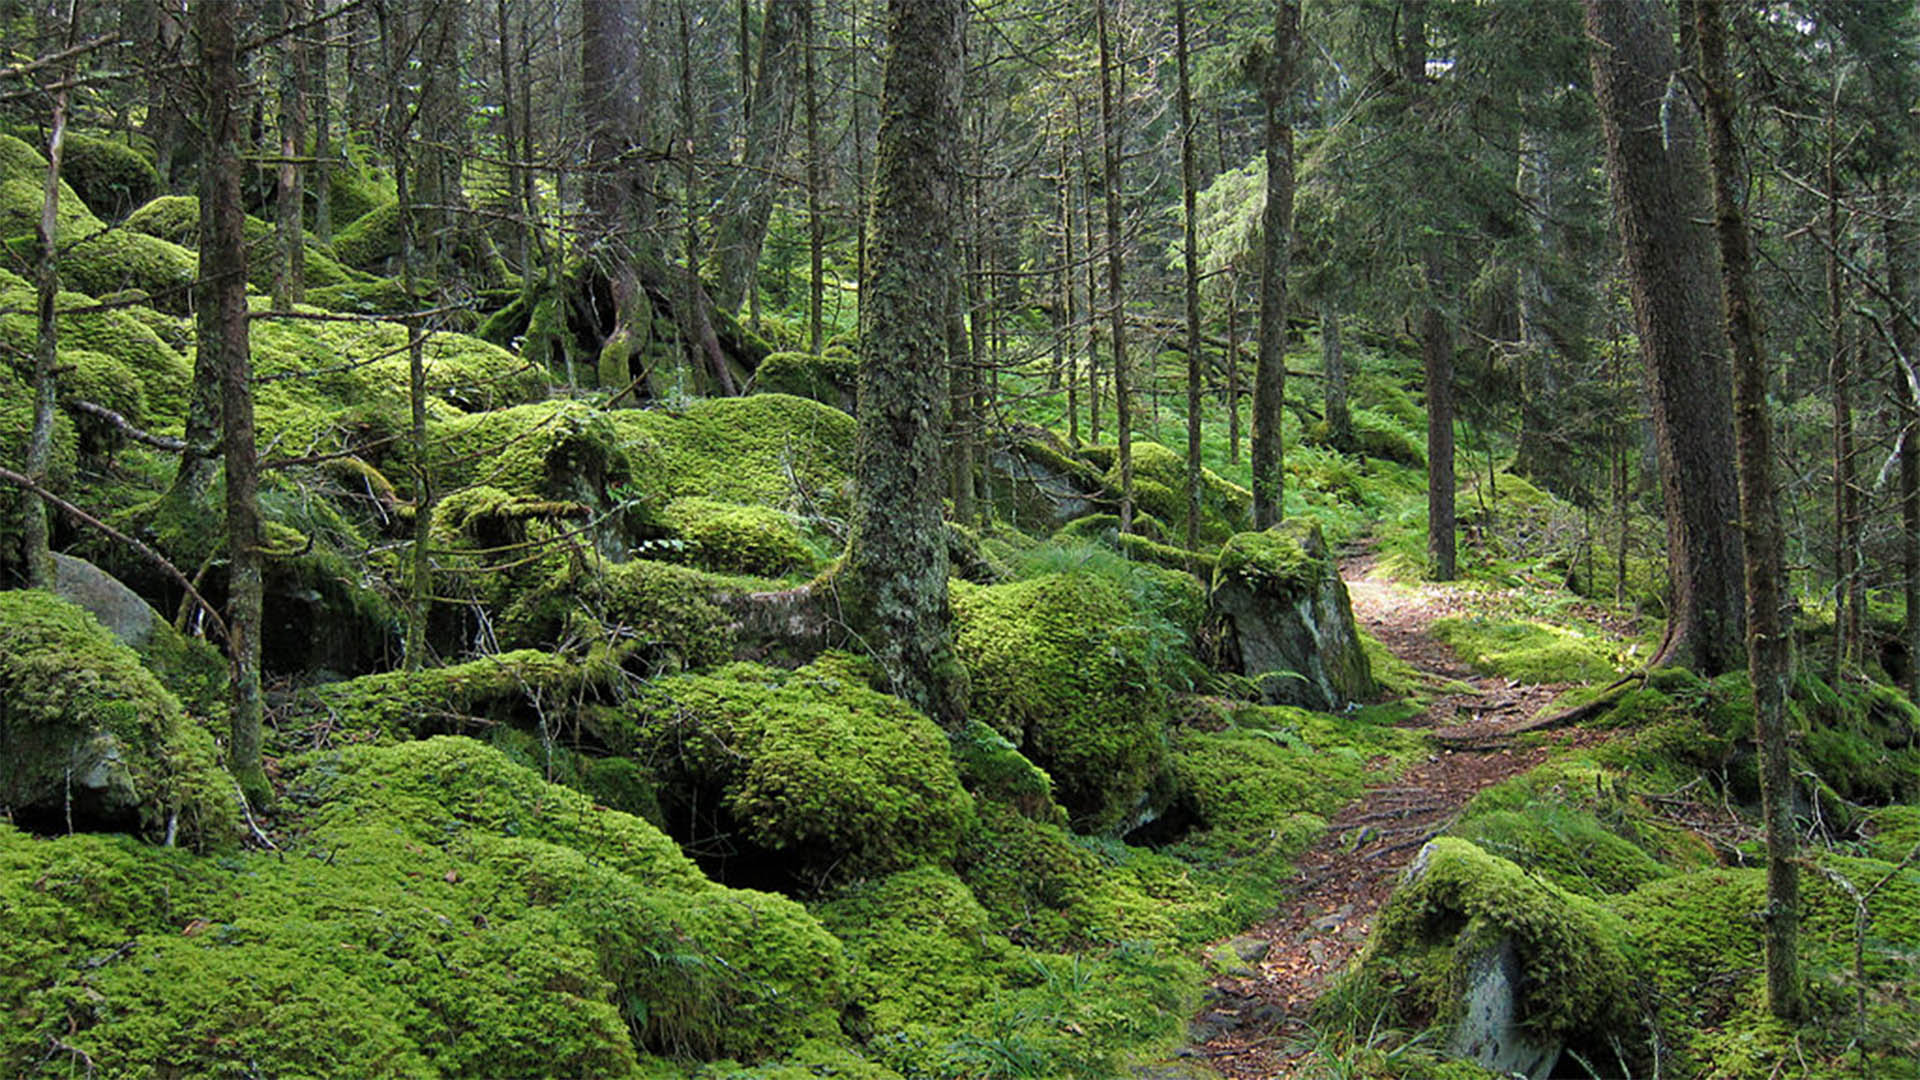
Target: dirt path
(1253, 1023)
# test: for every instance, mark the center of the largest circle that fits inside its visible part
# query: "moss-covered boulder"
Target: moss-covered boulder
(651, 616)
(730, 538)
(1527, 651)
(764, 449)
(109, 175)
(1075, 674)
(795, 778)
(925, 950)
(176, 218)
(90, 739)
(1160, 489)
(1291, 620)
(1037, 482)
(153, 375)
(1514, 968)
(828, 379)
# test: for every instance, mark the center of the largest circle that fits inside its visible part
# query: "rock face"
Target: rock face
(1292, 623)
(1037, 482)
(125, 614)
(1488, 1030)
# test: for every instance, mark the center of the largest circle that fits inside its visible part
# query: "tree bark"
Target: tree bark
(1897, 241)
(1848, 591)
(289, 285)
(895, 573)
(748, 203)
(816, 215)
(1111, 138)
(1333, 360)
(35, 550)
(1660, 203)
(1769, 644)
(1190, 240)
(1436, 359)
(1276, 222)
(221, 297)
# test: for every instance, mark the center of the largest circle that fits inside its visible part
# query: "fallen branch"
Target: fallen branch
(126, 427)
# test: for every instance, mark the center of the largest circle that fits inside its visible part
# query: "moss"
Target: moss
(354, 193)
(176, 218)
(838, 779)
(828, 379)
(407, 704)
(364, 296)
(1160, 485)
(370, 239)
(160, 370)
(764, 449)
(67, 685)
(924, 948)
(992, 768)
(555, 450)
(733, 539)
(110, 176)
(16, 426)
(1894, 831)
(1863, 740)
(1069, 670)
(1578, 980)
(648, 614)
(1290, 557)
(1526, 651)
(1568, 847)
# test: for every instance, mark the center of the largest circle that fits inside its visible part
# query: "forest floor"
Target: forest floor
(1255, 1022)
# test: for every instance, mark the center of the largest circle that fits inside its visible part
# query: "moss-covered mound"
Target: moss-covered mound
(154, 369)
(1527, 651)
(652, 616)
(766, 449)
(808, 773)
(443, 912)
(560, 450)
(176, 218)
(89, 737)
(1076, 675)
(830, 379)
(732, 539)
(459, 698)
(1160, 489)
(111, 176)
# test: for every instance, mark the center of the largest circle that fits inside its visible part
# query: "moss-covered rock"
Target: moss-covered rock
(160, 372)
(1075, 675)
(809, 768)
(732, 539)
(89, 737)
(371, 239)
(1160, 487)
(110, 176)
(459, 698)
(829, 379)
(765, 449)
(560, 450)
(925, 950)
(1460, 905)
(176, 218)
(652, 616)
(1292, 623)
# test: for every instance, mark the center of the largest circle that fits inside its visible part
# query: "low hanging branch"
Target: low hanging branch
(126, 427)
(152, 556)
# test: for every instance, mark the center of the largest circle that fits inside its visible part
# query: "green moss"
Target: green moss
(110, 176)
(407, 704)
(733, 539)
(992, 768)
(765, 449)
(370, 239)
(651, 615)
(16, 426)
(1894, 831)
(1526, 651)
(1568, 847)
(1160, 485)
(838, 778)
(1290, 557)
(354, 193)
(556, 450)
(924, 948)
(1578, 980)
(364, 296)
(71, 691)
(1076, 676)
(828, 379)
(160, 371)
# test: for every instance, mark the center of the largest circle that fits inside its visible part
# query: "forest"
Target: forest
(960, 539)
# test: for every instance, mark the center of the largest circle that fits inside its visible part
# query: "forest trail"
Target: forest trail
(1254, 1022)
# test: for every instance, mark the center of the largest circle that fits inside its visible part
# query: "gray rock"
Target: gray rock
(125, 614)
(1488, 1029)
(1291, 619)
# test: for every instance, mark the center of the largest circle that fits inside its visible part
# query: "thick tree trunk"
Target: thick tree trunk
(1276, 222)
(748, 203)
(1655, 170)
(895, 575)
(1769, 641)
(1111, 137)
(221, 296)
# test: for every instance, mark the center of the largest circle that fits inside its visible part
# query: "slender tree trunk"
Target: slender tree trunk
(1270, 368)
(1769, 644)
(1111, 137)
(748, 202)
(1191, 247)
(1897, 239)
(221, 296)
(35, 548)
(289, 286)
(1539, 454)
(1655, 172)
(895, 574)
(1847, 596)
(320, 72)
(1436, 358)
(816, 217)
(1334, 360)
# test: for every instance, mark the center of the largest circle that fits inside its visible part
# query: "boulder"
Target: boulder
(124, 613)
(1291, 622)
(1035, 480)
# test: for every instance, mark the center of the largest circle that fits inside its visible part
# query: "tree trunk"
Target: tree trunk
(896, 567)
(748, 203)
(1655, 171)
(35, 550)
(221, 297)
(1848, 596)
(1436, 358)
(1191, 247)
(1276, 222)
(320, 90)
(1897, 240)
(1539, 455)
(1334, 360)
(289, 285)
(816, 217)
(1769, 644)
(1111, 137)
